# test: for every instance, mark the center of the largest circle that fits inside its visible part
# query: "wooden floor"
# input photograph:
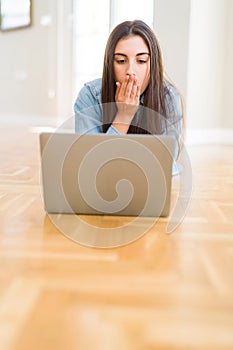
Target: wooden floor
(161, 292)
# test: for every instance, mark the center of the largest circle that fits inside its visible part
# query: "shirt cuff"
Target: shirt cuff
(113, 131)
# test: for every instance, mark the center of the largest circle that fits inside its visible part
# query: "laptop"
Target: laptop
(99, 174)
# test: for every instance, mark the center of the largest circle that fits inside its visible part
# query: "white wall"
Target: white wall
(24, 68)
(171, 25)
(207, 57)
(196, 37)
(33, 65)
(227, 117)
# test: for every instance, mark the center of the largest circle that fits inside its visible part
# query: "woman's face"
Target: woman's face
(132, 57)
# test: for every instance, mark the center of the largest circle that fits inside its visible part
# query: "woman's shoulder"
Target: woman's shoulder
(94, 86)
(89, 95)
(173, 99)
(170, 88)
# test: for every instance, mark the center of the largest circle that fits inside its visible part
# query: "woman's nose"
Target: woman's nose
(130, 69)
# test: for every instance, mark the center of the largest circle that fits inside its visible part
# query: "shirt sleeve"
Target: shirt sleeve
(88, 114)
(174, 111)
(174, 118)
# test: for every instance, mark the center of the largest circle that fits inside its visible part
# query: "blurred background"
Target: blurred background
(44, 65)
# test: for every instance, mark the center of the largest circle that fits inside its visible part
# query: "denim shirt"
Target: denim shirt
(88, 110)
(88, 113)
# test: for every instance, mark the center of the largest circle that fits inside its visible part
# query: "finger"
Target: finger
(129, 86)
(134, 89)
(118, 84)
(125, 84)
(122, 90)
(138, 92)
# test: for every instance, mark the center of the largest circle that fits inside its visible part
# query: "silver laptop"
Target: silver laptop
(107, 174)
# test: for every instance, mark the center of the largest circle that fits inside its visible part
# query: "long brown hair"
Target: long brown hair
(157, 89)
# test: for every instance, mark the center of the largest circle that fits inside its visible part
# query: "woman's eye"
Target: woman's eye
(120, 61)
(141, 61)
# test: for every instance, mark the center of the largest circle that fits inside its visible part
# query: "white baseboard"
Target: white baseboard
(209, 136)
(27, 120)
(193, 136)
(35, 120)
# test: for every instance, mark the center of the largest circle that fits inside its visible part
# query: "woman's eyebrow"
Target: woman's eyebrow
(120, 54)
(138, 54)
(142, 53)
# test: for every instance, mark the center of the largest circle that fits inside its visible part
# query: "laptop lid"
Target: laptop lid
(106, 174)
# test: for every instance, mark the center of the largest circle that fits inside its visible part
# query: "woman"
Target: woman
(133, 95)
